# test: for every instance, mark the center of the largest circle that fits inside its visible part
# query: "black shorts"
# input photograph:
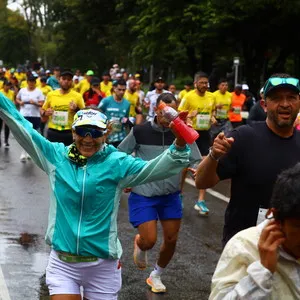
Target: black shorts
(203, 142)
(35, 121)
(236, 124)
(60, 136)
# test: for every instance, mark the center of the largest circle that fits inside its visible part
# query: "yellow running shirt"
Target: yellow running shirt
(76, 87)
(222, 104)
(134, 100)
(10, 95)
(84, 86)
(62, 117)
(182, 94)
(38, 82)
(20, 76)
(46, 89)
(23, 84)
(106, 88)
(202, 106)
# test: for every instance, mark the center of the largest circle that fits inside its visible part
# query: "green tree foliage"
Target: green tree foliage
(185, 35)
(14, 44)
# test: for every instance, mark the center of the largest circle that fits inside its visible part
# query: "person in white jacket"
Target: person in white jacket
(263, 262)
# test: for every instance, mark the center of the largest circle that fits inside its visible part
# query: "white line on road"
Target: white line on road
(210, 191)
(4, 295)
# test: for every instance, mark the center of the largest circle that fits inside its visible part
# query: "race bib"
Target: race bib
(245, 114)
(202, 122)
(237, 110)
(116, 125)
(221, 113)
(60, 118)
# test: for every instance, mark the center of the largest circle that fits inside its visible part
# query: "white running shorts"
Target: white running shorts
(100, 280)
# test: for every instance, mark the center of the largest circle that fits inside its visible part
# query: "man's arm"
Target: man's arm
(129, 143)
(167, 164)
(206, 174)
(232, 280)
(102, 105)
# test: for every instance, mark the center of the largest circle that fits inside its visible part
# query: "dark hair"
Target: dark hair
(222, 80)
(281, 75)
(43, 79)
(165, 97)
(120, 82)
(199, 75)
(31, 78)
(7, 82)
(286, 194)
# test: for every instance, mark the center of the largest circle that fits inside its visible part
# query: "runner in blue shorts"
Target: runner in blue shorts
(159, 200)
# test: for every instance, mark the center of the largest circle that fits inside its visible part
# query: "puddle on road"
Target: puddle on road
(23, 260)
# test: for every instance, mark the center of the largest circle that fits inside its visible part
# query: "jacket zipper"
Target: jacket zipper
(81, 211)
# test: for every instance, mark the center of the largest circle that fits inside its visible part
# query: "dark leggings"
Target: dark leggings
(6, 131)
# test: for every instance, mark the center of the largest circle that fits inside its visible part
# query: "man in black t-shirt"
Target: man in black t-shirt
(253, 155)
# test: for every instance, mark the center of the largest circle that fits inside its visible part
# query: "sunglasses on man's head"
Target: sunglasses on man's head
(88, 131)
(274, 81)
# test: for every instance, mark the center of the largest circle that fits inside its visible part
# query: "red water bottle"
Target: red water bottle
(189, 134)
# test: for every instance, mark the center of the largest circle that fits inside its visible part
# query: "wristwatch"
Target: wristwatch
(211, 155)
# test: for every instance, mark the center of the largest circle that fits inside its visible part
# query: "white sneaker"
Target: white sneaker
(23, 157)
(156, 285)
(28, 156)
(139, 256)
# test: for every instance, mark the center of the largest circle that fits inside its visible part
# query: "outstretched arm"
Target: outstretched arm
(43, 152)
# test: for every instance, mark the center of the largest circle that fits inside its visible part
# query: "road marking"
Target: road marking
(210, 191)
(4, 295)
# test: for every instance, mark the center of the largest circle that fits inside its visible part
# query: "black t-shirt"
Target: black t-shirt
(256, 113)
(257, 156)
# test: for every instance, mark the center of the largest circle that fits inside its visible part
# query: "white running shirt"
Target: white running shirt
(30, 110)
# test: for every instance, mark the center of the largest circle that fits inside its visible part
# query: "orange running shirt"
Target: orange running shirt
(236, 105)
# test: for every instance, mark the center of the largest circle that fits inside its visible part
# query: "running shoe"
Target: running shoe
(6, 145)
(201, 207)
(28, 156)
(156, 285)
(139, 256)
(23, 157)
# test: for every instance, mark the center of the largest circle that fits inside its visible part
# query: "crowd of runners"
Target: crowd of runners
(96, 138)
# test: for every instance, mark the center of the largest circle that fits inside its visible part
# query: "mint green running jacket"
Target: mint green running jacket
(84, 201)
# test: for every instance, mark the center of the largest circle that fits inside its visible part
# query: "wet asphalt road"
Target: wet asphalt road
(23, 252)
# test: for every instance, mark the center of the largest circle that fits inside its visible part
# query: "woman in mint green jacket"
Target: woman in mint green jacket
(86, 181)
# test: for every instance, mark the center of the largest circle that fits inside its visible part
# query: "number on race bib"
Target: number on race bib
(237, 110)
(60, 118)
(221, 113)
(202, 122)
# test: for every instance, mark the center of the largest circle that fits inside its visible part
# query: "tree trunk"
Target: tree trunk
(193, 66)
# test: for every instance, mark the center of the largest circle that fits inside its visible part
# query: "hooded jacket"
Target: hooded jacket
(84, 201)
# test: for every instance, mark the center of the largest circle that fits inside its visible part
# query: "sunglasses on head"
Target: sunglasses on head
(87, 131)
(274, 81)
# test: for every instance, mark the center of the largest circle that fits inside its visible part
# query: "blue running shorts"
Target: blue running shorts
(143, 209)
